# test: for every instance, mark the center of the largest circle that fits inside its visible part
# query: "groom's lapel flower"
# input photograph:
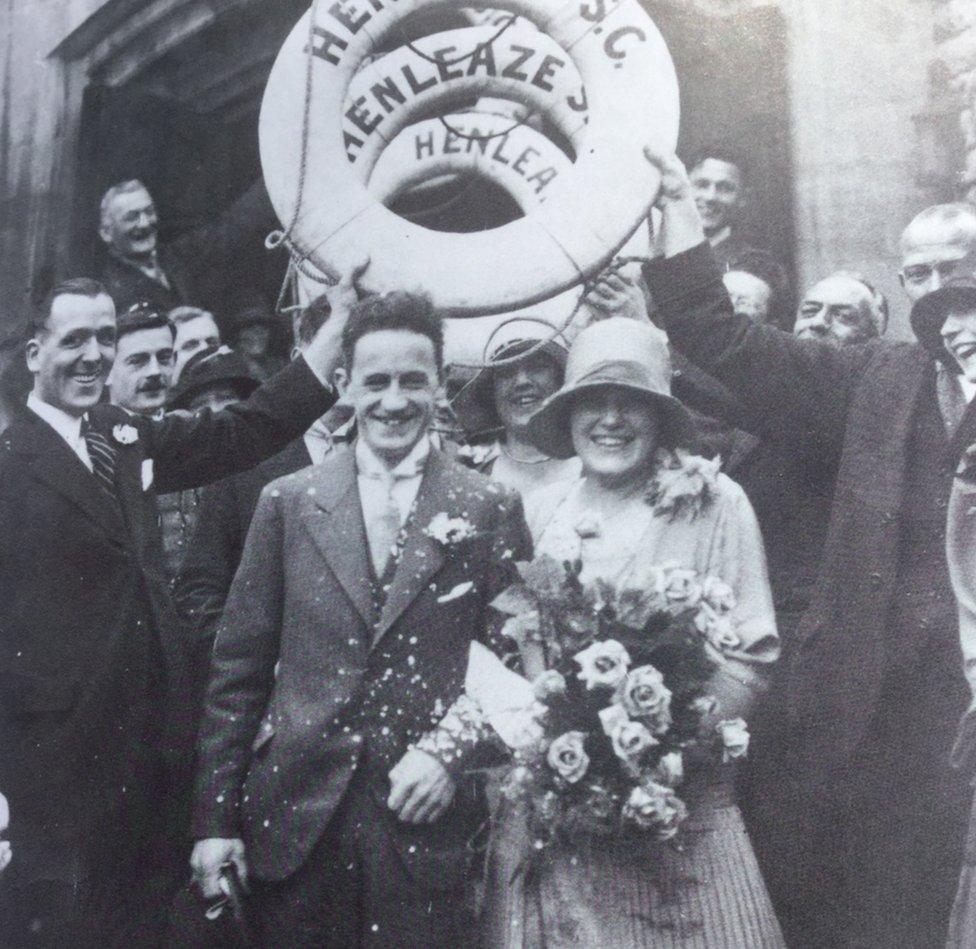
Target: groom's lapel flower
(449, 531)
(125, 434)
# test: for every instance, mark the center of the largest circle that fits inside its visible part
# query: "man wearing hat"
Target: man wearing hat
(214, 379)
(876, 688)
(524, 366)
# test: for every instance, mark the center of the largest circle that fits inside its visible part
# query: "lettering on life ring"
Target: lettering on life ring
(523, 64)
(587, 215)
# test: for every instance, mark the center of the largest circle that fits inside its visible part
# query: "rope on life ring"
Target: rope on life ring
(632, 95)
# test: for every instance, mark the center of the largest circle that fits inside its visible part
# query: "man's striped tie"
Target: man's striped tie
(103, 457)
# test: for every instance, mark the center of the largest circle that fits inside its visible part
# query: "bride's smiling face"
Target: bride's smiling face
(615, 434)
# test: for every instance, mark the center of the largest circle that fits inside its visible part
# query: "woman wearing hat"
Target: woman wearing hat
(525, 366)
(615, 412)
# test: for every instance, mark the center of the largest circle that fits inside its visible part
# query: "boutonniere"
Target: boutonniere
(125, 434)
(449, 531)
(682, 484)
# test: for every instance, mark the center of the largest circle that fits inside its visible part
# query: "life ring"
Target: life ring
(389, 92)
(633, 100)
(523, 162)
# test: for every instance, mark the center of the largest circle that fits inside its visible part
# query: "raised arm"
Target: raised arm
(794, 389)
(192, 450)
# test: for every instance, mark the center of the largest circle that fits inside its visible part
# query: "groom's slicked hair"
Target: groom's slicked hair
(398, 310)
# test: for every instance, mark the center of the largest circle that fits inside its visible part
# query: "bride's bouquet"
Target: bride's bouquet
(598, 739)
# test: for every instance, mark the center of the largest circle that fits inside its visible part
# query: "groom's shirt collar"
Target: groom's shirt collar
(378, 485)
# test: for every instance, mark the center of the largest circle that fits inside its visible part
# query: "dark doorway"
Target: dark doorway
(732, 72)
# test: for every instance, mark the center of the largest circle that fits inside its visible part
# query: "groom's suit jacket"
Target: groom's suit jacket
(312, 678)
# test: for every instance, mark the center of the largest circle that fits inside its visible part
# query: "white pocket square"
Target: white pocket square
(147, 474)
(457, 592)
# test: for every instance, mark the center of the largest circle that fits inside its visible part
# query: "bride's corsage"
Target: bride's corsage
(683, 485)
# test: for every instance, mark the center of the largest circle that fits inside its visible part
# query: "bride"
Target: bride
(642, 501)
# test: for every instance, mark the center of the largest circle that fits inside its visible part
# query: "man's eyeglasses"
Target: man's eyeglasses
(922, 273)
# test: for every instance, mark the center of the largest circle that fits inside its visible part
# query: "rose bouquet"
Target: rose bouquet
(601, 741)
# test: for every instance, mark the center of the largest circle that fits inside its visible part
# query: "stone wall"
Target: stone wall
(953, 84)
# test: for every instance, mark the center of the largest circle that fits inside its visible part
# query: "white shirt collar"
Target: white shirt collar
(369, 466)
(719, 236)
(67, 426)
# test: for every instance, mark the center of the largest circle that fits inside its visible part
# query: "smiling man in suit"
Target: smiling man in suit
(328, 773)
(93, 717)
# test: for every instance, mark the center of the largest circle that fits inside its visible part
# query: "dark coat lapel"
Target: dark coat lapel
(339, 532)
(422, 556)
(54, 463)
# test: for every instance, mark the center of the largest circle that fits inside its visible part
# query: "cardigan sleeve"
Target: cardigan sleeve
(736, 555)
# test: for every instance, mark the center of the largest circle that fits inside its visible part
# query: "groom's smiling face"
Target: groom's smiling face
(392, 384)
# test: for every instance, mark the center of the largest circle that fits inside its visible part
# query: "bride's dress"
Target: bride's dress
(705, 892)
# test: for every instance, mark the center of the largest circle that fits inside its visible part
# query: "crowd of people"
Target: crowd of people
(233, 641)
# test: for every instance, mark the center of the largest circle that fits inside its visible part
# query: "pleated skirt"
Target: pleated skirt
(704, 893)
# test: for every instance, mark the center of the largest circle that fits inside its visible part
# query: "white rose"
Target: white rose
(718, 629)
(603, 664)
(631, 739)
(670, 770)
(644, 695)
(567, 757)
(735, 738)
(718, 595)
(682, 588)
(653, 806)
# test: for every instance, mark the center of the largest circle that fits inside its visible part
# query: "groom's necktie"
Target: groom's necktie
(103, 457)
(383, 528)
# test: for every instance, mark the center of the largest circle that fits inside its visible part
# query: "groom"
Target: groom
(329, 773)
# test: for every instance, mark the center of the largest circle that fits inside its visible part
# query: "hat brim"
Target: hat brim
(928, 316)
(475, 403)
(245, 385)
(549, 429)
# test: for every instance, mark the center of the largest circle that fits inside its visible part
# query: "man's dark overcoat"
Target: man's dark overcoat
(91, 647)
(876, 681)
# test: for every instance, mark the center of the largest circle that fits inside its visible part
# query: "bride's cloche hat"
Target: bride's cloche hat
(624, 354)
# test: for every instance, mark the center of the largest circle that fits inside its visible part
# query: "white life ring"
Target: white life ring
(633, 100)
(391, 91)
(523, 163)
